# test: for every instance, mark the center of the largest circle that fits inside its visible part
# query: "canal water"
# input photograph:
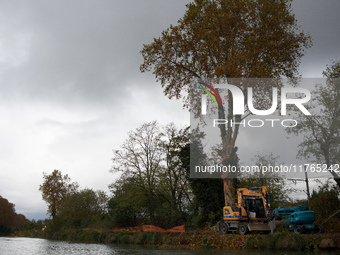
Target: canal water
(36, 246)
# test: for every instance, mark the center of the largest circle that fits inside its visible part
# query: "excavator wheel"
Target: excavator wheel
(317, 229)
(298, 229)
(222, 227)
(243, 229)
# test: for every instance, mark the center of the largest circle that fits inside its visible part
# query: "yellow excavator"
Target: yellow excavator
(250, 214)
(253, 213)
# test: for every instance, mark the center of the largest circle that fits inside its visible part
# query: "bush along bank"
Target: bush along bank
(203, 239)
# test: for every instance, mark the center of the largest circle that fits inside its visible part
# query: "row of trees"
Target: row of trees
(154, 186)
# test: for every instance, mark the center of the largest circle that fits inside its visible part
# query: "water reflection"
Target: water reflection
(35, 246)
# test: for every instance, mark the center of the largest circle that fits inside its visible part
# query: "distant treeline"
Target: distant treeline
(9, 219)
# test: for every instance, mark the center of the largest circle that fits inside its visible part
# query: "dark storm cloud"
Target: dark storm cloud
(80, 49)
(321, 19)
(89, 50)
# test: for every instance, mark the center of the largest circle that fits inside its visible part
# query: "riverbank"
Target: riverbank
(200, 239)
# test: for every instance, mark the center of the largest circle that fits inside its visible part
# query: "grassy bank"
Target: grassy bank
(199, 239)
(290, 241)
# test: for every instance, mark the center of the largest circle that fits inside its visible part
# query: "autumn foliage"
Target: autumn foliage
(227, 38)
(9, 219)
(55, 188)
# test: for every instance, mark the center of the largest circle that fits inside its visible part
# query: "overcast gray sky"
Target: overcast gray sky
(71, 89)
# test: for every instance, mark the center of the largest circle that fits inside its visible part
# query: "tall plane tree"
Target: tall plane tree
(222, 39)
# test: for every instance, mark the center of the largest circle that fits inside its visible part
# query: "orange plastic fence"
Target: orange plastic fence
(178, 229)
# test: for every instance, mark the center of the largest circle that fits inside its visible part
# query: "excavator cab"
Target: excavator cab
(255, 208)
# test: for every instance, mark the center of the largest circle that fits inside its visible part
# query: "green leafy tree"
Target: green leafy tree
(55, 188)
(128, 206)
(207, 201)
(224, 39)
(325, 201)
(85, 208)
(321, 129)
(174, 187)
